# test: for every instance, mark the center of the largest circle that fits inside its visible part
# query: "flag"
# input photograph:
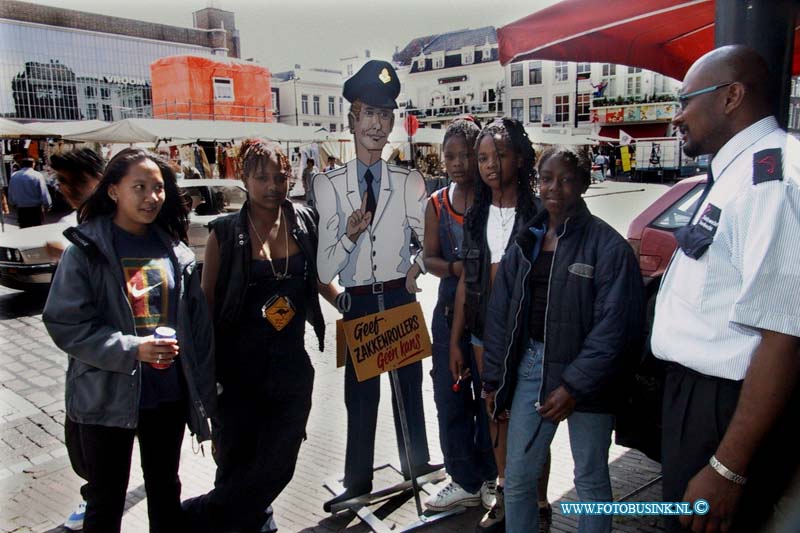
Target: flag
(624, 138)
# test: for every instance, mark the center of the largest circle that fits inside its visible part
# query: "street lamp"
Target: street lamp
(294, 83)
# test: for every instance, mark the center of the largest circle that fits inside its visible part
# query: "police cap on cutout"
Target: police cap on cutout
(374, 84)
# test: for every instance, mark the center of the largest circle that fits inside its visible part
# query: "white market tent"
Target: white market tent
(138, 130)
(10, 129)
(60, 129)
(558, 137)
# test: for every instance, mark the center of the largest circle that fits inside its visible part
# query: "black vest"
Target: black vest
(233, 235)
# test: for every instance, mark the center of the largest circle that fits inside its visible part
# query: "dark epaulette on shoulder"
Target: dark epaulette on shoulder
(84, 244)
(768, 165)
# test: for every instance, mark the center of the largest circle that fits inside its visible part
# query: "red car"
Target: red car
(651, 233)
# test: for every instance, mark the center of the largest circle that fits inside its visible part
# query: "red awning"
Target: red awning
(665, 36)
(637, 131)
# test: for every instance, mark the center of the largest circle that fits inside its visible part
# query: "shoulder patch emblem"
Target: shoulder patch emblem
(768, 165)
(582, 270)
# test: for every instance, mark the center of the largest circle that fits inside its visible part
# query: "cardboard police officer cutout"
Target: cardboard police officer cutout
(368, 211)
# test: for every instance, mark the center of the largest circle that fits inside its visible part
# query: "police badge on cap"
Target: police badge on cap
(374, 84)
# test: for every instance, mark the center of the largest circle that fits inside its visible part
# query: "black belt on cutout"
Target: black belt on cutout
(376, 288)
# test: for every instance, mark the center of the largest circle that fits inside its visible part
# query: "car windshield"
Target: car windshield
(215, 200)
(680, 213)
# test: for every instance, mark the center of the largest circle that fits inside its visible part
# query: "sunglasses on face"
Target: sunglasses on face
(683, 99)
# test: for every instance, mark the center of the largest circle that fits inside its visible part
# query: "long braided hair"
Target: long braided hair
(478, 215)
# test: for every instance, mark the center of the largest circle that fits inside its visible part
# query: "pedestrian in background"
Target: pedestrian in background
(503, 201)
(727, 317)
(128, 273)
(463, 426)
(27, 190)
(570, 280)
(260, 279)
(78, 173)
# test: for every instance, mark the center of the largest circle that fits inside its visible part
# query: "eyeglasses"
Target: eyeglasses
(683, 99)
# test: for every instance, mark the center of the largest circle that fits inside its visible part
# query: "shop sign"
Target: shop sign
(124, 80)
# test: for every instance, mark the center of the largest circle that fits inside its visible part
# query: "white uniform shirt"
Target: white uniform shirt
(382, 252)
(709, 310)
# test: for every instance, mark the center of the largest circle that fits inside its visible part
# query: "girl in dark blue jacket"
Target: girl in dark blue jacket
(564, 319)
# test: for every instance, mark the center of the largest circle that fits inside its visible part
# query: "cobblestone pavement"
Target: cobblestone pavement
(39, 489)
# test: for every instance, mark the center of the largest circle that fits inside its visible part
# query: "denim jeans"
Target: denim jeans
(589, 438)
(463, 424)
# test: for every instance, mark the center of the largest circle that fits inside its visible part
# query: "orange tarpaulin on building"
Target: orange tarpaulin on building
(205, 88)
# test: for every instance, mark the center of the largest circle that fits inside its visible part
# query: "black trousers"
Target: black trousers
(696, 413)
(28, 217)
(102, 456)
(257, 438)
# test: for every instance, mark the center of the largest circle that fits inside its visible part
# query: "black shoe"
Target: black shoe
(423, 469)
(348, 494)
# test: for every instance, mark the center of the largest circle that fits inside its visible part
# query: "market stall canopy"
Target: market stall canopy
(557, 137)
(69, 127)
(134, 130)
(10, 129)
(422, 136)
(665, 36)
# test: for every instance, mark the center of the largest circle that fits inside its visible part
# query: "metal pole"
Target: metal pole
(767, 27)
(576, 95)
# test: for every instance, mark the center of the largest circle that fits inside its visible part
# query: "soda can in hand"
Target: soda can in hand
(163, 332)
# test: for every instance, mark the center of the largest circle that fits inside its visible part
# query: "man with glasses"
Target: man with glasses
(727, 318)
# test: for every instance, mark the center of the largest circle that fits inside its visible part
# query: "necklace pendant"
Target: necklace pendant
(281, 276)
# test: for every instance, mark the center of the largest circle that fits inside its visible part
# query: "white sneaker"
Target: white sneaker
(451, 496)
(488, 490)
(75, 520)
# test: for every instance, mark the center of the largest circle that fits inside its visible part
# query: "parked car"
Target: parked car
(24, 262)
(638, 423)
(651, 233)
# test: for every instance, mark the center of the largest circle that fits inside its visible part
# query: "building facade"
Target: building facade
(450, 74)
(61, 64)
(310, 97)
(582, 97)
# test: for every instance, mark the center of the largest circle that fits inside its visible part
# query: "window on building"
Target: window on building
(316, 105)
(349, 69)
(535, 73)
(535, 109)
(562, 71)
(306, 124)
(517, 109)
(438, 61)
(421, 63)
(333, 128)
(609, 69)
(468, 58)
(562, 108)
(583, 68)
(634, 70)
(90, 93)
(634, 86)
(341, 105)
(108, 115)
(516, 75)
(611, 88)
(105, 93)
(223, 89)
(486, 53)
(583, 104)
(304, 104)
(331, 105)
(91, 111)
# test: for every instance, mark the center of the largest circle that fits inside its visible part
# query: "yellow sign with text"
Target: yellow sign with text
(384, 341)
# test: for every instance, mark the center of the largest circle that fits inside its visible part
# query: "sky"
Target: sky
(317, 33)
